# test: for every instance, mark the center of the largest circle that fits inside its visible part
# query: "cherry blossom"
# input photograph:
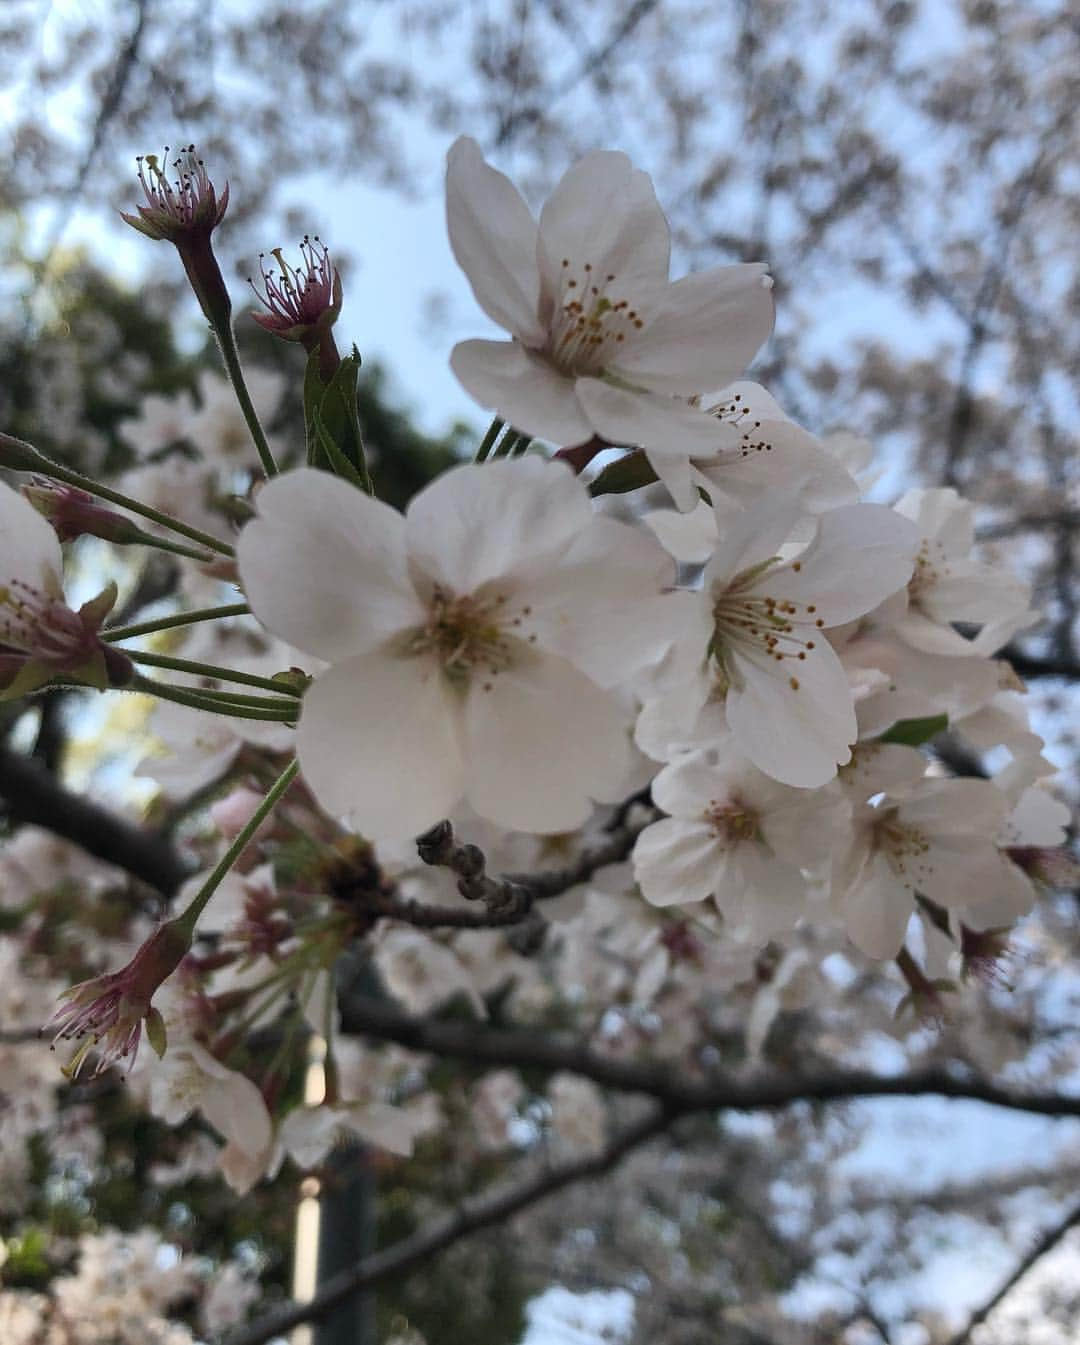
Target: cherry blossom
(912, 837)
(602, 343)
(752, 657)
(470, 642)
(737, 836)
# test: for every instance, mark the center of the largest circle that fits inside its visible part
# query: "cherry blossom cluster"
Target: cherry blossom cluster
(654, 608)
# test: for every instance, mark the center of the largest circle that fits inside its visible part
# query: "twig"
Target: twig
(31, 794)
(1042, 1247)
(471, 1218)
(668, 1083)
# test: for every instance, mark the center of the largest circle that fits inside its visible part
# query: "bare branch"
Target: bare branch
(1042, 1247)
(30, 794)
(471, 1218)
(668, 1083)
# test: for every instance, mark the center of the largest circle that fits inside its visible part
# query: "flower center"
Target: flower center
(930, 566)
(590, 321)
(773, 628)
(732, 821)
(904, 846)
(464, 634)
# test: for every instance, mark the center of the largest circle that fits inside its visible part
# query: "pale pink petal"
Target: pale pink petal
(761, 896)
(877, 911)
(795, 733)
(542, 741)
(711, 326)
(969, 807)
(323, 565)
(780, 455)
(482, 522)
(677, 862)
(30, 550)
(601, 604)
(861, 554)
(527, 391)
(604, 214)
(379, 743)
(493, 238)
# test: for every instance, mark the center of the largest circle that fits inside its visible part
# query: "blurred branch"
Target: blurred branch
(471, 1218)
(1030, 666)
(515, 1047)
(30, 794)
(1042, 1247)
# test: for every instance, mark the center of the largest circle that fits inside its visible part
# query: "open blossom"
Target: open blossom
(602, 342)
(40, 635)
(947, 586)
(752, 657)
(470, 642)
(737, 836)
(917, 837)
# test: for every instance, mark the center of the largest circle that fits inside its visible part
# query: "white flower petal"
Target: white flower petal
(604, 213)
(795, 734)
(493, 238)
(711, 326)
(877, 911)
(378, 741)
(478, 523)
(324, 566)
(861, 554)
(541, 743)
(525, 390)
(677, 862)
(30, 550)
(601, 604)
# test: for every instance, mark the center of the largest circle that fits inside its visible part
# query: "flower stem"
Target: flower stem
(176, 548)
(269, 710)
(176, 619)
(19, 456)
(187, 918)
(210, 670)
(227, 342)
(488, 441)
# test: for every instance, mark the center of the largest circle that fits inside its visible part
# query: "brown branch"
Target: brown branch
(473, 1216)
(1030, 666)
(1042, 1247)
(31, 795)
(493, 1046)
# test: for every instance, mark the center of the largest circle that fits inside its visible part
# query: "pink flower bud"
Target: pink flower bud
(74, 513)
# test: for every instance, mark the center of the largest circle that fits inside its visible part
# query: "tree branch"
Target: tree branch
(667, 1084)
(1042, 1247)
(471, 1218)
(30, 794)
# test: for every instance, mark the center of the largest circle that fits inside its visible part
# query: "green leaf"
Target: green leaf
(630, 472)
(334, 440)
(155, 1031)
(915, 732)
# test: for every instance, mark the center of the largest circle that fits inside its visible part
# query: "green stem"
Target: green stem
(488, 441)
(227, 342)
(176, 548)
(176, 619)
(19, 456)
(210, 670)
(188, 917)
(204, 701)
